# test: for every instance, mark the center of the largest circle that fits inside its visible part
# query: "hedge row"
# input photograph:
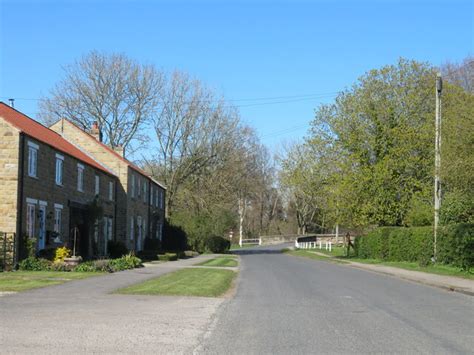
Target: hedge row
(455, 245)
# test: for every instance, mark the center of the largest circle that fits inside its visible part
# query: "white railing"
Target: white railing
(312, 245)
(250, 241)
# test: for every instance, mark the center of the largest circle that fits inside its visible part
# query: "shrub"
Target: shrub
(61, 266)
(61, 254)
(152, 244)
(174, 237)
(168, 257)
(116, 249)
(48, 254)
(216, 244)
(456, 245)
(35, 264)
(190, 253)
(125, 262)
(88, 266)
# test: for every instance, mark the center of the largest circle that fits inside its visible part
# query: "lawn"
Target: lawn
(222, 262)
(186, 282)
(17, 281)
(237, 246)
(339, 256)
(309, 254)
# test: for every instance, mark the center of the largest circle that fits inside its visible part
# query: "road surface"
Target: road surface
(292, 305)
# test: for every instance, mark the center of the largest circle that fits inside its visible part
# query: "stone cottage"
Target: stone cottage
(60, 186)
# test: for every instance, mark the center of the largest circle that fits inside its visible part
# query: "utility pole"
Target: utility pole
(437, 181)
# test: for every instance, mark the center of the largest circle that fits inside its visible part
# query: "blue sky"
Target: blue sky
(243, 49)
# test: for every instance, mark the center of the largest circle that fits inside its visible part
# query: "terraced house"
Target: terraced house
(61, 186)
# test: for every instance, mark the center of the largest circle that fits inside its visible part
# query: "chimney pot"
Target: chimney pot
(95, 131)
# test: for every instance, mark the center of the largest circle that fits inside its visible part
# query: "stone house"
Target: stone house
(54, 190)
(140, 198)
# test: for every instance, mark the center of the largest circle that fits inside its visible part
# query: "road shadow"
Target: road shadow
(271, 249)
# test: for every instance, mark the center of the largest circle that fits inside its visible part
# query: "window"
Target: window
(97, 185)
(144, 191)
(108, 228)
(30, 219)
(138, 187)
(80, 177)
(144, 227)
(132, 228)
(162, 199)
(151, 194)
(111, 190)
(156, 198)
(159, 230)
(33, 159)
(59, 169)
(58, 211)
(133, 186)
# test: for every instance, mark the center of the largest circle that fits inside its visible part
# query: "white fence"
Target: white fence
(250, 241)
(314, 245)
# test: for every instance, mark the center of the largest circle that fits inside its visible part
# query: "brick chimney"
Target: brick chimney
(95, 131)
(119, 149)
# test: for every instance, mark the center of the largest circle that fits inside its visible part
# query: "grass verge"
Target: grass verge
(186, 282)
(220, 262)
(308, 254)
(338, 254)
(17, 281)
(237, 246)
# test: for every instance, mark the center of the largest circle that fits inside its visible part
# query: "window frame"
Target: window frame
(59, 169)
(97, 185)
(33, 149)
(80, 177)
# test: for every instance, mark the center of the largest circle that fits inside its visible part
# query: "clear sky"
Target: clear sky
(250, 51)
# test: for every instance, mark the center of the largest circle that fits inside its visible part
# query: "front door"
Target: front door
(42, 227)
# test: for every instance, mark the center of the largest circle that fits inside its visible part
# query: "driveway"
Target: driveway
(290, 305)
(83, 317)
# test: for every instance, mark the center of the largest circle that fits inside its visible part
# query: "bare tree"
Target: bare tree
(112, 90)
(192, 131)
(461, 74)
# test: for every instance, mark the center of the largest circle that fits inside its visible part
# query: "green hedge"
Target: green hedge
(455, 245)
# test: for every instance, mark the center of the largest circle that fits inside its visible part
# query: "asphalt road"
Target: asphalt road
(291, 305)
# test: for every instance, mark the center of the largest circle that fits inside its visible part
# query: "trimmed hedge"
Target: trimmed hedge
(168, 257)
(216, 244)
(455, 245)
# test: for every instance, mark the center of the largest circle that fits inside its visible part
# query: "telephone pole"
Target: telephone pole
(437, 180)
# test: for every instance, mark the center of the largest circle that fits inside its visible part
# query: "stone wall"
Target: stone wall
(9, 157)
(44, 190)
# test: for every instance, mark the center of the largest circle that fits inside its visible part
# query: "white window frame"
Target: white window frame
(33, 159)
(59, 169)
(97, 185)
(58, 211)
(80, 177)
(132, 190)
(30, 218)
(111, 190)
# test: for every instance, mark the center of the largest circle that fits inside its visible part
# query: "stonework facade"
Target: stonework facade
(61, 186)
(140, 199)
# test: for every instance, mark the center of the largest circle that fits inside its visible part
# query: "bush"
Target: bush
(455, 245)
(60, 266)
(35, 264)
(61, 254)
(152, 244)
(116, 249)
(216, 244)
(48, 254)
(190, 253)
(125, 262)
(168, 257)
(174, 237)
